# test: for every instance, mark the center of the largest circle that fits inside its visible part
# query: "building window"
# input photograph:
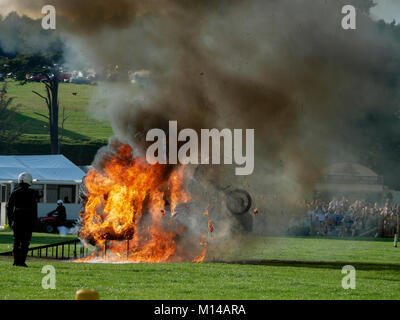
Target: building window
(65, 193)
(52, 193)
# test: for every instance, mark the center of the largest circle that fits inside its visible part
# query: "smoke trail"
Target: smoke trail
(285, 68)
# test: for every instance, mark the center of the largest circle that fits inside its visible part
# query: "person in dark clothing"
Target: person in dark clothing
(59, 213)
(22, 216)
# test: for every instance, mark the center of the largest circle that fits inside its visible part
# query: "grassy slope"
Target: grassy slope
(377, 278)
(83, 135)
(78, 127)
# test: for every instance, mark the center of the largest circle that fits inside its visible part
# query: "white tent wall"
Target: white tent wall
(3, 215)
(54, 176)
(71, 208)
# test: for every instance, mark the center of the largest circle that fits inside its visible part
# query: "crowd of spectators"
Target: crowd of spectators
(344, 218)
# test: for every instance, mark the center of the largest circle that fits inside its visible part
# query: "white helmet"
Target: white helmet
(60, 202)
(25, 178)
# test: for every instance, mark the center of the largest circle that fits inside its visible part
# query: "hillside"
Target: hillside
(82, 134)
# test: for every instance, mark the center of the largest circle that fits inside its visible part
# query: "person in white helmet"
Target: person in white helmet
(22, 216)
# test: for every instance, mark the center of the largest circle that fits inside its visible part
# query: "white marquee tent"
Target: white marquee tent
(350, 178)
(54, 176)
(47, 168)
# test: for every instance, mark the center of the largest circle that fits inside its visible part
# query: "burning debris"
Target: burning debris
(137, 212)
(204, 244)
(128, 201)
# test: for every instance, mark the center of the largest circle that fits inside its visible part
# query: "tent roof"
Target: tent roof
(46, 168)
(347, 168)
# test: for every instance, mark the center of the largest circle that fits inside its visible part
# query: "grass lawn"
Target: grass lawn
(319, 249)
(377, 264)
(83, 135)
(79, 127)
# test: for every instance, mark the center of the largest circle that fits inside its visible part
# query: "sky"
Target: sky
(387, 10)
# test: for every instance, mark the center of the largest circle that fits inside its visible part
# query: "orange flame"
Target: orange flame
(127, 200)
(200, 258)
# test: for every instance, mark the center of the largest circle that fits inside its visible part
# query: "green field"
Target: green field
(83, 135)
(79, 126)
(308, 269)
